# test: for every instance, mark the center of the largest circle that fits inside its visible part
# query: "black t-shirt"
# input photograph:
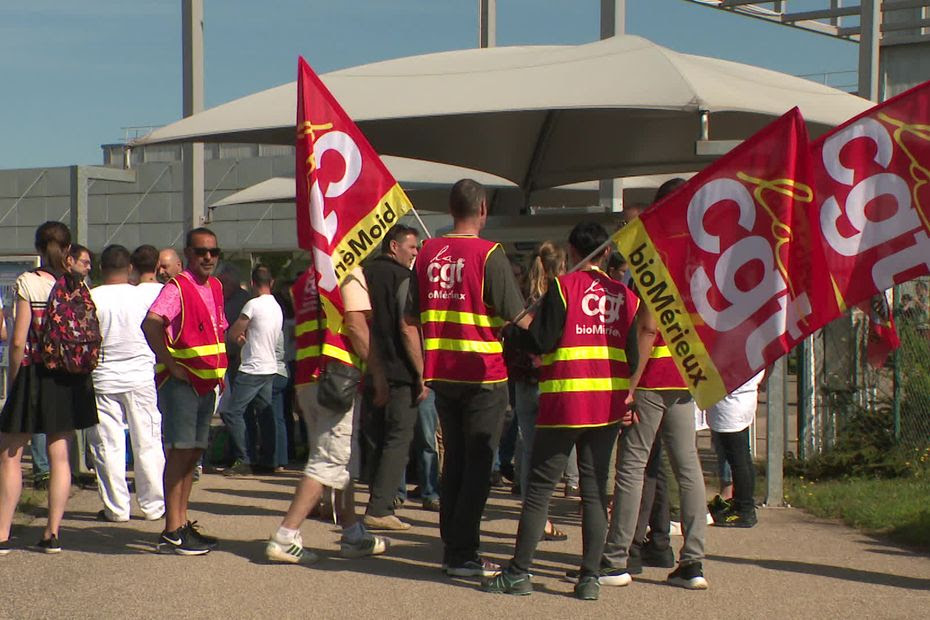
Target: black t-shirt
(388, 284)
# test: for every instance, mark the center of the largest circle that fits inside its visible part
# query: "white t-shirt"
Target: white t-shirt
(265, 321)
(126, 361)
(149, 290)
(737, 410)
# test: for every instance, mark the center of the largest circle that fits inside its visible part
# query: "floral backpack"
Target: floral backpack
(69, 339)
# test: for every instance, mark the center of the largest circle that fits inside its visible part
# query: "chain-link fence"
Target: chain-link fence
(849, 404)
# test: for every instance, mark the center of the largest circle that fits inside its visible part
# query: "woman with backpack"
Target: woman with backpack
(41, 399)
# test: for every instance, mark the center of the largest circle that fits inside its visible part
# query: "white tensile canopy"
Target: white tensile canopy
(540, 116)
(428, 183)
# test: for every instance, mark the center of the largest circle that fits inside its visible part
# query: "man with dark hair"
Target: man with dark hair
(582, 329)
(256, 330)
(397, 347)
(125, 393)
(144, 261)
(463, 294)
(80, 260)
(188, 314)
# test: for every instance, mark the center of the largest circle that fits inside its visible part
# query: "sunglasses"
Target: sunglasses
(202, 252)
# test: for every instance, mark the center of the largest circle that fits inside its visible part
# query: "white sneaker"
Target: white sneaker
(368, 544)
(292, 552)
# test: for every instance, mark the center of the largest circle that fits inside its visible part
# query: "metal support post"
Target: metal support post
(487, 23)
(613, 18)
(192, 153)
(613, 22)
(775, 430)
(870, 24)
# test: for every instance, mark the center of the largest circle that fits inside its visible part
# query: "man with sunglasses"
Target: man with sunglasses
(185, 327)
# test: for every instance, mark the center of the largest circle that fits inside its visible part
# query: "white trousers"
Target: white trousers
(139, 409)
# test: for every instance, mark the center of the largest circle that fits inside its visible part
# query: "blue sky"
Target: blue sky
(74, 72)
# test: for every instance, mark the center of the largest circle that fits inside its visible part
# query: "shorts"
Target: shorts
(185, 416)
(333, 459)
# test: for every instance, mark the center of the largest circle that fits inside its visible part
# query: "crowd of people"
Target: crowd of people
(439, 330)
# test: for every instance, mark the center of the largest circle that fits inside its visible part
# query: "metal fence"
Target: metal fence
(844, 402)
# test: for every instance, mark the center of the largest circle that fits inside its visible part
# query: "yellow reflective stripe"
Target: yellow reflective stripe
(659, 352)
(305, 352)
(583, 385)
(342, 355)
(306, 326)
(568, 354)
(465, 346)
(203, 373)
(462, 318)
(199, 351)
(206, 373)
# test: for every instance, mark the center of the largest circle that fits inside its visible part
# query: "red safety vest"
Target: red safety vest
(199, 347)
(661, 373)
(460, 334)
(315, 343)
(585, 381)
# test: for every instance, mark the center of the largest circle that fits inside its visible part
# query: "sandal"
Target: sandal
(554, 534)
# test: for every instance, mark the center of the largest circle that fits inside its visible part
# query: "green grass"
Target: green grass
(898, 508)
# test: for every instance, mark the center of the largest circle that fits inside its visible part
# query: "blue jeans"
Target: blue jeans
(278, 392)
(249, 390)
(526, 406)
(39, 451)
(424, 451)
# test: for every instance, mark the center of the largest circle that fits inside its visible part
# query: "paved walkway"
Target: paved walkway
(790, 566)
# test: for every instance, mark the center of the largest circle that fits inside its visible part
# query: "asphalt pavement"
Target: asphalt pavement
(790, 565)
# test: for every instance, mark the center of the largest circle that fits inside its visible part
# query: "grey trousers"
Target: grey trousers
(673, 411)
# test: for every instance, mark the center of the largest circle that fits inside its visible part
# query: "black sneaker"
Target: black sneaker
(652, 555)
(238, 468)
(506, 583)
(689, 576)
(194, 531)
(734, 518)
(40, 481)
(473, 568)
(616, 577)
(181, 542)
(588, 588)
(49, 545)
(5, 547)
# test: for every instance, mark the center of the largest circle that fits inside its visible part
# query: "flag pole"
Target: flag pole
(419, 219)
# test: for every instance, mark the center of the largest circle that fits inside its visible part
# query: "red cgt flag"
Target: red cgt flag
(729, 264)
(873, 194)
(346, 197)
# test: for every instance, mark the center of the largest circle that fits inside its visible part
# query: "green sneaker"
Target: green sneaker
(506, 583)
(587, 588)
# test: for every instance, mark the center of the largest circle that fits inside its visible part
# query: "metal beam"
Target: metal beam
(822, 14)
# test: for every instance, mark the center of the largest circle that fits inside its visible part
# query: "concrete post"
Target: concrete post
(192, 153)
(487, 23)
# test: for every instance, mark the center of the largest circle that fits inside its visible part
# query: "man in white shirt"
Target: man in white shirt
(124, 383)
(256, 330)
